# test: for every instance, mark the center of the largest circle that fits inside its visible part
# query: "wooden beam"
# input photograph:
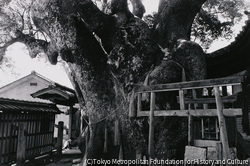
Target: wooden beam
(151, 127)
(205, 106)
(60, 138)
(217, 128)
(194, 97)
(202, 128)
(139, 106)
(234, 80)
(190, 130)
(21, 144)
(222, 125)
(182, 100)
(219, 151)
(205, 143)
(226, 99)
(198, 112)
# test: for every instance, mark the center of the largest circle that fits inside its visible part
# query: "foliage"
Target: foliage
(149, 19)
(6, 69)
(107, 50)
(216, 19)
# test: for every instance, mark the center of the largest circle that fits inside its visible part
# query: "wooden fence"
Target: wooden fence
(182, 110)
(39, 135)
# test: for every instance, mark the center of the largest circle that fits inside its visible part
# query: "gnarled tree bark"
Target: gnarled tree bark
(109, 52)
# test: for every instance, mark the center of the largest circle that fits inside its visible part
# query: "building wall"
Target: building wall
(23, 89)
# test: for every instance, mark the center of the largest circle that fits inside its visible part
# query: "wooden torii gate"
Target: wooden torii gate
(219, 112)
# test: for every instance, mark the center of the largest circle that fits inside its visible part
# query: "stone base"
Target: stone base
(192, 153)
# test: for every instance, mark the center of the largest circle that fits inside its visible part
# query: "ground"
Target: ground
(69, 157)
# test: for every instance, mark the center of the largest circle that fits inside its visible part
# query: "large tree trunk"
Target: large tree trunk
(174, 21)
(106, 54)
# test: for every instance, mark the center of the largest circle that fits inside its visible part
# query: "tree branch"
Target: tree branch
(36, 46)
(21, 16)
(119, 6)
(138, 8)
(174, 20)
(211, 20)
(7, 44)
(125, 38)
(94, 19)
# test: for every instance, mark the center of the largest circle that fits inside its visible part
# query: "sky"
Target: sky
(24, 65)
(149, 6)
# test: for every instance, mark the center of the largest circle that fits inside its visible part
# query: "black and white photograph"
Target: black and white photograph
(124, 82)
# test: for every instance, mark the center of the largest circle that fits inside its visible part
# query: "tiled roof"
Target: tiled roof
(231, 59)
(239, 39)
(27, 106)
(57, 94)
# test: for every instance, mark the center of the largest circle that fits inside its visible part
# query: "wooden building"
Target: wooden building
(23, 87)
(37, 88)
(63, 96)
(203, 113)
(38, 120)
(214, 120)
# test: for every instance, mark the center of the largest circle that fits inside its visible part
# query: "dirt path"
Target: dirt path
(70, 157)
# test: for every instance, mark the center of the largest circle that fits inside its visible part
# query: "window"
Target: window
(33, 84)
(210, 129)
(206, 128)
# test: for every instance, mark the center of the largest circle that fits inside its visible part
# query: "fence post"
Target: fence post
(190, 130)
(182, 99)
(21, 144)
(151, 127)
(59, 138)
(222, 124)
